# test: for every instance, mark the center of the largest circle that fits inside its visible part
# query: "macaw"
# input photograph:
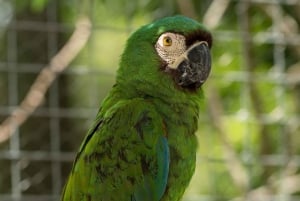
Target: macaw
(142, 144)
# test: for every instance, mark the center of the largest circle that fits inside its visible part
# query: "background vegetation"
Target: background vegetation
(249, 124)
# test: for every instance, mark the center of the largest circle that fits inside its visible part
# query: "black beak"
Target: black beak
(193, 68)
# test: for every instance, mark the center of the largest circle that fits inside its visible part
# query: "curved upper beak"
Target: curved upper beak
(193, 66)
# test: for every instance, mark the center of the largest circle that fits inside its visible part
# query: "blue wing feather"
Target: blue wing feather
(163, 158)
(153, 188)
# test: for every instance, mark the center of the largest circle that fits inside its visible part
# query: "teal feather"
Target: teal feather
(153, 187)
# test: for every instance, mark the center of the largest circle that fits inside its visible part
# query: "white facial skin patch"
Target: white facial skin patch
(170, 46)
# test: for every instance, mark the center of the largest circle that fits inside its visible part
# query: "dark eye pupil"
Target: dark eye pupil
(168, 40)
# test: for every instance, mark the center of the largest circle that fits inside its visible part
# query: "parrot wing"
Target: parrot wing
(125, 156)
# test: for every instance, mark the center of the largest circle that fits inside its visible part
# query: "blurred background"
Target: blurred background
(249, 125)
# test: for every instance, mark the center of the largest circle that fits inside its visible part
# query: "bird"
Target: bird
(142, 144)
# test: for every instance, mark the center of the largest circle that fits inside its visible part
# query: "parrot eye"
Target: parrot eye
(167, 41)
(170, 46)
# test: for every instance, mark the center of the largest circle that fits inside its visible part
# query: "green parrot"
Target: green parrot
(142, 145)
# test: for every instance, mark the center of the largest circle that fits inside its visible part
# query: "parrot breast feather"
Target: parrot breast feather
(124, 157)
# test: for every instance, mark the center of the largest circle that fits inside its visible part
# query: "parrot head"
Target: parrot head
(172, 54)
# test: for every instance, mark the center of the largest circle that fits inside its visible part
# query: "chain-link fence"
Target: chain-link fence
(249, 124)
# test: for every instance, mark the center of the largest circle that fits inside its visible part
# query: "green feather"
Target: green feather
(142, 145)
(112, 160)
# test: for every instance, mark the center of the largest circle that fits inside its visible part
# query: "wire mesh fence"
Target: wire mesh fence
(248, 129)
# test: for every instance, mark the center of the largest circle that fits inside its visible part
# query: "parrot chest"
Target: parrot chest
(181, 128)
(182, 164)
